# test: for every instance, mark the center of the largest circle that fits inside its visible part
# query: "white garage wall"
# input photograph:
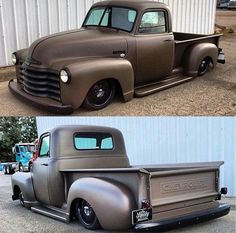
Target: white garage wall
(24, 21)
(158, 140)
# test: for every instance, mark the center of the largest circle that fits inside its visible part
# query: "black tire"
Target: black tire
(22, 200)
(100, 95)
(30, 167)
(203, 67)
(8, 170)
(87, 216)
(21, 168)
(5, 170)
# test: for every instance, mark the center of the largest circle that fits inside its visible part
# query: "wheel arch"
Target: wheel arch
(112, 201)
(23, 182)
(84, 74)
(195, 54)
(16, 192)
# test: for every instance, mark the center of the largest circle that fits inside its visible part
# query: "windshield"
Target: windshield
(26, 148)
(111, 17)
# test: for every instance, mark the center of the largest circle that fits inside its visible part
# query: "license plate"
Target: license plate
(141, 215)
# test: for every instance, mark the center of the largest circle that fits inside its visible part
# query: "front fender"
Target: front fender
(111, 201)
(86, 72)
(24, 182)
(195, 54)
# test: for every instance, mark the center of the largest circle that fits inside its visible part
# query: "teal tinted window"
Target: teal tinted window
(105, 18)
(95, 16)
(93, 141)
(44, 149)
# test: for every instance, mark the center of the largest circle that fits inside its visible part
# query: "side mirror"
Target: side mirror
(13, 150)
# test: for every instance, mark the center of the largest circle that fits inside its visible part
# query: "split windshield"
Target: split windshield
(111, 17)
(26, 148)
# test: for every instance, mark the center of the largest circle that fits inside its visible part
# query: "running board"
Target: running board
(55, 213)
(150, 89)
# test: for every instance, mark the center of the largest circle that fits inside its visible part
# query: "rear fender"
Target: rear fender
(85, 73)
(195, 54)
(112, 201)
(23, 181)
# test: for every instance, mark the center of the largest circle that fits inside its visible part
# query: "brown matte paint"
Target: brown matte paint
(105, 179)
(92, 54)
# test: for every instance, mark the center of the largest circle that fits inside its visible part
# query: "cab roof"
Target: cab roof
(136, 4)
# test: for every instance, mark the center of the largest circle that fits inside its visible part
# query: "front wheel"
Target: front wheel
(8, 170)
(100, 95)
(30, 167)
(203, 67)
(87, 216)
(22, 200)
(21, 169)
(5, 170)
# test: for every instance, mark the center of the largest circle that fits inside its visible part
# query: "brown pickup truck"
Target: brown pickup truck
(83, 172)
(125, 47)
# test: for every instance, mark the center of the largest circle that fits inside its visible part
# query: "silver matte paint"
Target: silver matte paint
(105, 179)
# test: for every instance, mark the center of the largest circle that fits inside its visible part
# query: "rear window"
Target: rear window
(93, 141)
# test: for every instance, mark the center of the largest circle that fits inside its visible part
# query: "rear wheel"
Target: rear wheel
(100, 95)
(203, 67)
(87, 216)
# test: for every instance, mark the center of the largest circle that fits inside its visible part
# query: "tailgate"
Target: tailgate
(183, 188)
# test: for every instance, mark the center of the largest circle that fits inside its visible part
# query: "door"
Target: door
(16, 151)
(40, 171)
(155, 47)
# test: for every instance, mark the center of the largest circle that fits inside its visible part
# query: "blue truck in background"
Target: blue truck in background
(23, 153)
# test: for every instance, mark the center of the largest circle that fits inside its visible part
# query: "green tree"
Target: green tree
(14, 130)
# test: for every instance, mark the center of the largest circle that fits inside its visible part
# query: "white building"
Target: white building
(158, 140)
(24, 21)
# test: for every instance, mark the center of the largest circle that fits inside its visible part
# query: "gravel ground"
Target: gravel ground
(15, 218)
(212, 94)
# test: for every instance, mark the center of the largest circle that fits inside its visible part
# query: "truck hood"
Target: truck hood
(76, 44)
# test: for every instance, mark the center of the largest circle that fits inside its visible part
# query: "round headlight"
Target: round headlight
(14, 58)
(65, 76)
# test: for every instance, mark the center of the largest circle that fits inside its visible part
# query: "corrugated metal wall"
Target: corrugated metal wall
(23, 21)
(156, 140)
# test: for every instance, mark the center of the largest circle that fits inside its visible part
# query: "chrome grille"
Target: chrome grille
(40, 82)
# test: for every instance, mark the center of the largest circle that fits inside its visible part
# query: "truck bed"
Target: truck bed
(184, 40)
(173, 189)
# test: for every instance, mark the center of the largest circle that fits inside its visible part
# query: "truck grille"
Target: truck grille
(40, 82)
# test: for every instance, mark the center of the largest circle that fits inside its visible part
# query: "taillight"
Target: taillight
(146, 204)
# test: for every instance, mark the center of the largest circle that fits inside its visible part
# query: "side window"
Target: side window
(44, 149)
(153, 23)
(106, 143)
(93, 141)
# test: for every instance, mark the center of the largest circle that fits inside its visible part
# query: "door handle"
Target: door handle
(168, 40)
(45, 164)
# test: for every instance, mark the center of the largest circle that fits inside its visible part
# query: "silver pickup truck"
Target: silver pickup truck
(83, 172)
